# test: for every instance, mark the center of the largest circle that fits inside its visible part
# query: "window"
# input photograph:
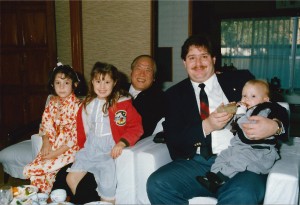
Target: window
(268, 47)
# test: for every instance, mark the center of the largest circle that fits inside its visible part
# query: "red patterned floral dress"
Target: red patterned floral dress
(59, 124)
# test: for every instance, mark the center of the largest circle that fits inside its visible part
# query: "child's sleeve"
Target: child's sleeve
(134, 128)
(46, 127)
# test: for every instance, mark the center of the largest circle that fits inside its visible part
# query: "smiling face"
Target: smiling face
(142, 74)
(199, 64)
(103, 85)
(62, 85)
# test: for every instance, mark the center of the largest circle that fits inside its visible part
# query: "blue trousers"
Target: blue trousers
(175, 183)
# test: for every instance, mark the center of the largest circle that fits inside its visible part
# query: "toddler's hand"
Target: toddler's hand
(117, 150)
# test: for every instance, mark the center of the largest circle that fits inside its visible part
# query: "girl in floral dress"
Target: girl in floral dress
(58, 130)
(109, 122)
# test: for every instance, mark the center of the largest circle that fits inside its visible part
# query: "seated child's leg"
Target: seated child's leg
(73, 179)
(86, 190)
(60, 180)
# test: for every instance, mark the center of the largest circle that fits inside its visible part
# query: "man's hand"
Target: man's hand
(216, 121)
(117, 149)
(261, 129)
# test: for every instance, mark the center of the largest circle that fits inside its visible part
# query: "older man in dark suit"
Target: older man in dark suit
(148, 98)
(194, 140)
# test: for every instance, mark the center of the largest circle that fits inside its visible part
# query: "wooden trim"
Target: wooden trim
(190, 18)
(76, 35)
(51, 33)
(154, 27)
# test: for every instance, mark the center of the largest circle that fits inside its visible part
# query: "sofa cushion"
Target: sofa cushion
(15, 157)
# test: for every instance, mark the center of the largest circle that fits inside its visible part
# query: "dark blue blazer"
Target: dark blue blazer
(183, 126)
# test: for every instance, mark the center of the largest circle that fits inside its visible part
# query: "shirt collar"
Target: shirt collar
(209, 84)
(133, 91)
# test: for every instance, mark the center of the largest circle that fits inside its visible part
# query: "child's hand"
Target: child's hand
(117, 150)
(50, 155)
(46, 147)
(55, 153)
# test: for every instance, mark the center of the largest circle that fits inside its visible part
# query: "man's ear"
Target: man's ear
(184, 63)
(214, 60)
(76, 84)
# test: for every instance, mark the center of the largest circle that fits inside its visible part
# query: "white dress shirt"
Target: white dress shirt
(134, 92)
(220, 139)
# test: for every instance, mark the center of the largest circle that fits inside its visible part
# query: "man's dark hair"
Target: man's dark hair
(198, 41)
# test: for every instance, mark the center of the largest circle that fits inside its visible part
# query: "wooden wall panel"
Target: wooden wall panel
(9, 29)
(28, 53)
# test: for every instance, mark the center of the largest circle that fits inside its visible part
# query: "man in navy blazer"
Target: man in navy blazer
(186, 133)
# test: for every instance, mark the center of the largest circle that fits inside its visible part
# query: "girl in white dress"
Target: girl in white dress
(109, 122)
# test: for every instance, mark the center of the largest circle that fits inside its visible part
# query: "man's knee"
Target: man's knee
(244, 188)
(152, 184)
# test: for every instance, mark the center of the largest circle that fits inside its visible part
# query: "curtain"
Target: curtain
(264, 46)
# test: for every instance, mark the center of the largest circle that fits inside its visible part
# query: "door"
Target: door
(28, 54)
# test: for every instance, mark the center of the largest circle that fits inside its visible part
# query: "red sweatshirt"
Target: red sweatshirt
(125, 122)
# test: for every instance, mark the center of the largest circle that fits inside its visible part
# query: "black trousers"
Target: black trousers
(85, 191)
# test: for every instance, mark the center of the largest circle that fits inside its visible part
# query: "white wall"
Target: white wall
(172, 32)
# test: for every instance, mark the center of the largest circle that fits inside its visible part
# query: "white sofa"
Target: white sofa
(136, 164)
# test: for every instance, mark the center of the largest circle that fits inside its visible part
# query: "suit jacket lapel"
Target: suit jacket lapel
(190, 101)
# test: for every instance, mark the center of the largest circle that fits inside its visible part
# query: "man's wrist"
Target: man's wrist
(280, 129)
(205, 128)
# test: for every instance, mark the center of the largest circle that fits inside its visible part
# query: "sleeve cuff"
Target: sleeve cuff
(125, 142)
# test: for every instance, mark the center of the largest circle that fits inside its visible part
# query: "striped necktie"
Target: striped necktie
(204, 106)
(205, 149)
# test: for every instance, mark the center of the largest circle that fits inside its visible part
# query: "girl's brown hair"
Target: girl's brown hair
(103, 69)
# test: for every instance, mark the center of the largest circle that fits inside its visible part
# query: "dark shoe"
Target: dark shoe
(210, 181)
(215, 181)
(203, 181)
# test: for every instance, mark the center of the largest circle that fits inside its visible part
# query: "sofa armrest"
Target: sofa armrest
(125, 166)
(147, 161)
(36, 143)
(283, 179)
